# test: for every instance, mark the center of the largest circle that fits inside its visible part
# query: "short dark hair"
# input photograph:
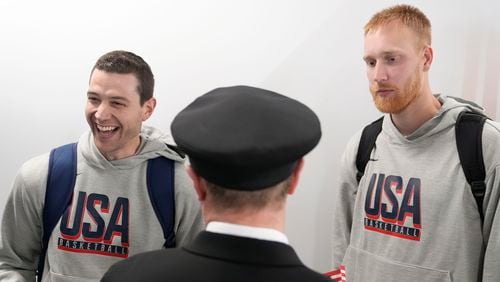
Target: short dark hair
(124, 62)
(224, 199)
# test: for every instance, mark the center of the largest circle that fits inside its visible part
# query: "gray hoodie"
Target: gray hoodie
(112, 193)
(413, 217)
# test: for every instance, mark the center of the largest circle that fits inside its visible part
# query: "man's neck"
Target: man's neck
(422, 109)
(133, 149)
(262, 218)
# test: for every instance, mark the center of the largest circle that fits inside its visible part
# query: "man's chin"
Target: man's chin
(382, 104)
(389, 107)
(103, 144)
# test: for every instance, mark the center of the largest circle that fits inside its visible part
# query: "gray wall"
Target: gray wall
(310, 50)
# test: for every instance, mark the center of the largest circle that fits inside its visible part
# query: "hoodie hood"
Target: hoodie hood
(154, 143)
(446, 117)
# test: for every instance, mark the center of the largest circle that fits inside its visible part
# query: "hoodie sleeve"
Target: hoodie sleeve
(491, 231)
(21, 223)
(491, 207)
(344, 198)
(188, 218)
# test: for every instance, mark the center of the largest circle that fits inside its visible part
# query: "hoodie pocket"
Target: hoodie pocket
(362, 266)
(56, 277)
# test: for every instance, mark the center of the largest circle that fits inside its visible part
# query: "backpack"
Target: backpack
(61, 181)
(468, 134)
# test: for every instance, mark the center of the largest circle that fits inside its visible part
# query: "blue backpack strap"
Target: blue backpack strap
(469, 134)
(60, 183)
(160, 182)
(366, 145)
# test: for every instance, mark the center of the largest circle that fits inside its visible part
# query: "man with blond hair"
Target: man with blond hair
(410, 215)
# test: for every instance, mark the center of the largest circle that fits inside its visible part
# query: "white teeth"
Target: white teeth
(106, 128)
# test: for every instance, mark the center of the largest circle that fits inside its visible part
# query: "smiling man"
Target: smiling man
(405, 209)
(115, 113)
(114, 209)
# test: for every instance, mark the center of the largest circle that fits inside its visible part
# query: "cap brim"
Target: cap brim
(241, 178)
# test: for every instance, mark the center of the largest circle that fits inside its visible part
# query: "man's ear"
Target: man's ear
(428, 56)
(295, 176)
(148, 108)
(201, 191)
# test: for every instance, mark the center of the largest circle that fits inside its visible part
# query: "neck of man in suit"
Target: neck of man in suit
(263, 208)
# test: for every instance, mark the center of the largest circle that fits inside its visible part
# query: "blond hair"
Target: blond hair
(407, 15)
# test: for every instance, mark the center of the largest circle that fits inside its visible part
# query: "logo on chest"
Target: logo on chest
(98, 226)
(392, 206)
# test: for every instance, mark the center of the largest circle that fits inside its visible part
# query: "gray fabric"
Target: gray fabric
(450, 245)
(126, 178)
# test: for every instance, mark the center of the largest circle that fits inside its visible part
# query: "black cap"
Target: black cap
(245, 138)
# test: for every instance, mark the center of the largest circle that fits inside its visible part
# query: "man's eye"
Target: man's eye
(391, 59)
(370, 63)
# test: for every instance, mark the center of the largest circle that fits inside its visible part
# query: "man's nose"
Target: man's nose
(380, 73)
(103, 112)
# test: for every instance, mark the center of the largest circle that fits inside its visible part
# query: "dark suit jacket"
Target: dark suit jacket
(216, 257)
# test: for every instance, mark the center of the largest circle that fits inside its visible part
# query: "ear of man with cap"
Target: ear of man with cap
(245, 140)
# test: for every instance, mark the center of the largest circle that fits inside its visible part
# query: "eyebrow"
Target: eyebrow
(390, 53)
(115, 98)
(383, 54)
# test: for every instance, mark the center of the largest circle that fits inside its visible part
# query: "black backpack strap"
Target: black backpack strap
(160, 182)
(366, 145)
(469, 133)
(59, 191)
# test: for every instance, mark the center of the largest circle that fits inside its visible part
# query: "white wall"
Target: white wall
(308, 49)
